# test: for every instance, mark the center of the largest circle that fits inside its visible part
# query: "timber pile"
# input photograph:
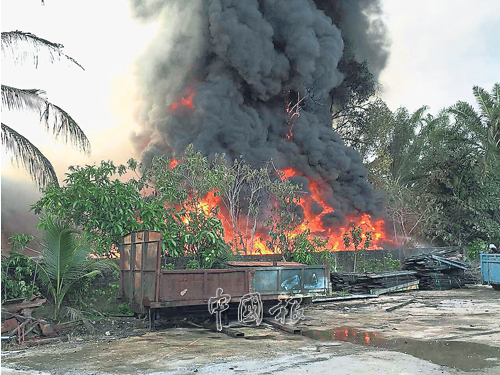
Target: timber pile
(366, 283)
(440, 270)
(18, 323)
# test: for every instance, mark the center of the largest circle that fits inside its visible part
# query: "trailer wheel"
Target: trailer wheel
(496, 286)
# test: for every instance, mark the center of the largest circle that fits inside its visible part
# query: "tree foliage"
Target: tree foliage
(440, 172)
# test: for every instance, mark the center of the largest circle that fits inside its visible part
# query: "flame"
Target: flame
(173, 163)
(314, 222)
(184, 101)
(310, 203)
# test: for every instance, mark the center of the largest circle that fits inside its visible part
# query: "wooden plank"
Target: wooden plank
(25, 305)
(397, 288)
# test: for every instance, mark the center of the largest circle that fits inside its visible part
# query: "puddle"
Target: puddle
(465, 356)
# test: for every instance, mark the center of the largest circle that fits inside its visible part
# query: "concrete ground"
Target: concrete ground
(443, 332)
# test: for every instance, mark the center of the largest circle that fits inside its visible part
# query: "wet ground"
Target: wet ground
(446, 332)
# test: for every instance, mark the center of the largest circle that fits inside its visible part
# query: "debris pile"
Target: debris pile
(439, 270)
(19, 324)
(374, 283)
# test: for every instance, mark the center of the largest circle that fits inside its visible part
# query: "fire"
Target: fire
(184, 101)
(313, 221)
(173, 163)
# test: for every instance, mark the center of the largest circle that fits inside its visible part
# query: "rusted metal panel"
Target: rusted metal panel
(200, 285)
(140, 262)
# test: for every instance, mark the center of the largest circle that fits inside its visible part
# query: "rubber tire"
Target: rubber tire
(496, 286)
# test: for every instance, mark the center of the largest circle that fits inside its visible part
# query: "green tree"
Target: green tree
(463, 195)
(52, 116)
(460, 172)
(65, 261)
(395, 166)
(106, 208)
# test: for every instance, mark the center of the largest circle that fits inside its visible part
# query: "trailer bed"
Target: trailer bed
(145, 286)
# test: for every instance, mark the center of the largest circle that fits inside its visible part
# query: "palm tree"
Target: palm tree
(65, 260)
(480, 129)
(53, 117)
(397, 166)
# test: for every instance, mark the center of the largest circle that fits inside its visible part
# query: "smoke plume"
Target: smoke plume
(220, 73)
(17, 196)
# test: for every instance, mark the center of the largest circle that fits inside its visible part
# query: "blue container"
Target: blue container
(490, 269)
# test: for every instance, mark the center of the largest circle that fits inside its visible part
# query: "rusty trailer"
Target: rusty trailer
(146, 286)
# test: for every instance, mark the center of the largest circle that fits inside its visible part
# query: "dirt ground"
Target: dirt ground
(442, 332)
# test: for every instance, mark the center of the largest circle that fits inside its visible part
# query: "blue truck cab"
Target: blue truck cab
(490, 270)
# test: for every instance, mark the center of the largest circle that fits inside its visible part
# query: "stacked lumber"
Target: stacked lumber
(440, 281)
(366, 283)
(439, 270)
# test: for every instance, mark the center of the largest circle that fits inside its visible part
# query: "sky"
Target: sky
(440, 49)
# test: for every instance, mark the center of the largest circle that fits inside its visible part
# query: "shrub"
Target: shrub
(19, 277)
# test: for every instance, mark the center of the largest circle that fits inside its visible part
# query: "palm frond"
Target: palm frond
(12, 39)
(64, 125)
(495, 94)
(484, 100)
(52, 115)
(466, 115)
(58, 256)
(23, 99)
(72, 313)
(65, 259)
(44, 277)
(24, 152)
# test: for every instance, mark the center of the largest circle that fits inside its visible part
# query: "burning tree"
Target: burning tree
(242, 191)
(355, 238)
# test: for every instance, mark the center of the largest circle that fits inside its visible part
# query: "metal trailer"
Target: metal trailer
(147, 287)
(490, 270)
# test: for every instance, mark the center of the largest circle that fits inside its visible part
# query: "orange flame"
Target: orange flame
(173, 163)
(312, 221)
(184, 101)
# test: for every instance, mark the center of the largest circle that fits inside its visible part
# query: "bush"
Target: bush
(193, 264)
(19, 277)
(474, 248)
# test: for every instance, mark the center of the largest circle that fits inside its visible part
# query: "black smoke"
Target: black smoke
(363, 29)
(243, 59)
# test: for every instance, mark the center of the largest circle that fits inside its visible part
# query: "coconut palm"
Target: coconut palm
(64, 260)
(53, 117)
